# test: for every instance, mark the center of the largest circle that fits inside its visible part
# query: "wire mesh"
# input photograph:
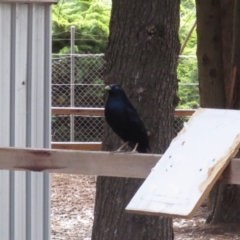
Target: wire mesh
(84, 88)
(89, 95)
(86, 128)
(178, 124)
(61, 128)
(88, 91)
(88, 80)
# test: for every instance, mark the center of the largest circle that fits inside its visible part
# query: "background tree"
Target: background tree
(219, 78)
(187, 67)
(142, 56)
(91, 20)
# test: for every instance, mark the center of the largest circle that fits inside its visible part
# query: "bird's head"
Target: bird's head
(114, 89)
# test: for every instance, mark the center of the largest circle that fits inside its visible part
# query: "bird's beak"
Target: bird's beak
(107, 88)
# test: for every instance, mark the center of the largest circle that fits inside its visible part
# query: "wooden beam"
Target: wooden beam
(100, 111)
(78, 162)
(89, 146)
(231, 174)
(93, 163)
(78, 111)
(183, 112)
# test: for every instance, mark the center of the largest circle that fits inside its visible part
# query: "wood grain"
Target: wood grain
(89, 146)
(78, 111)
(194, 161)
(100, 111)
(78, 162)
(95, 163)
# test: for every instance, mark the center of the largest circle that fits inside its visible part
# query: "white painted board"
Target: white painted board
(195, 159)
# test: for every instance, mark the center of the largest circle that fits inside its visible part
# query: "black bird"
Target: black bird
(124, 120)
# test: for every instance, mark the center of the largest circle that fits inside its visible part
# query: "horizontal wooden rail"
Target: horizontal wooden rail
(90, 146)
(92, 163)
(96, 146)
(78, 111)
(100, 111)
(183, 112)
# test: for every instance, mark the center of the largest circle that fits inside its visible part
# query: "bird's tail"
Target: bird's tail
(142, 149)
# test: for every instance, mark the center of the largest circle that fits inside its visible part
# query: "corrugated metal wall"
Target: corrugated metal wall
(25, 50)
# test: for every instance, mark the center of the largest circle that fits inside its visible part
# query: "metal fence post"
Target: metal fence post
(72, 82)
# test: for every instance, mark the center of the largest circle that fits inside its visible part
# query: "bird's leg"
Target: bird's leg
(135, 148)
(119, 149)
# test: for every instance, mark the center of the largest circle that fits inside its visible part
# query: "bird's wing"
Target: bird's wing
(135, 123)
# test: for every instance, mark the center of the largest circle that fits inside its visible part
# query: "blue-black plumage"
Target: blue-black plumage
(124, 120)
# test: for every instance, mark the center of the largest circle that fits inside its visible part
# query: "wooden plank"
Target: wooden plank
(231, 174)
(93, 163)
(78, 111)
(100, 111)
(89, 146)
(183, 112)
(195, 159)
(78, 162)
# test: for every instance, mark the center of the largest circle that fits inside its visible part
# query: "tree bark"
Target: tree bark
(219, 79)
(209, 54)
(142, 56)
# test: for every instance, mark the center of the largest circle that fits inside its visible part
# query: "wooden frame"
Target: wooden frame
(100, 111)
(78, 111)
(87, 146)
(78, 162)
(93, 163)
(97, 146)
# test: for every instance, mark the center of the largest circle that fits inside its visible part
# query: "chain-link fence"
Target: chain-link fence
(178, 124)
(77, 81)
(86, 128)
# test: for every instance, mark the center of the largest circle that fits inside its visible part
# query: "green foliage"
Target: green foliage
(187, 20)
(188, 85)
(91, 21)
(187, 67)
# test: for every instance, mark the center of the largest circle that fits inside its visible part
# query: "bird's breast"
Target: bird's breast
(115, 111)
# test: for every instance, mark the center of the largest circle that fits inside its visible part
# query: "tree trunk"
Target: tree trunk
(219, 80)
(142, 56)
(209, 53)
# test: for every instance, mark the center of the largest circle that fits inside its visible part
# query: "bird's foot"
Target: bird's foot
(134, 150)
(119, 149)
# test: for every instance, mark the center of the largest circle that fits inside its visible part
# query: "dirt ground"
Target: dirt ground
(73, 205)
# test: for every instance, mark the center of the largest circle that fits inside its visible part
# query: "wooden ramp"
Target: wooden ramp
(194, 161)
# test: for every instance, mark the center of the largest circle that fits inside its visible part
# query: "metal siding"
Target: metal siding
(5, 14)
(20, 68)
(47, 116)
(37, 110)
(25, 100)
(38, 85)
